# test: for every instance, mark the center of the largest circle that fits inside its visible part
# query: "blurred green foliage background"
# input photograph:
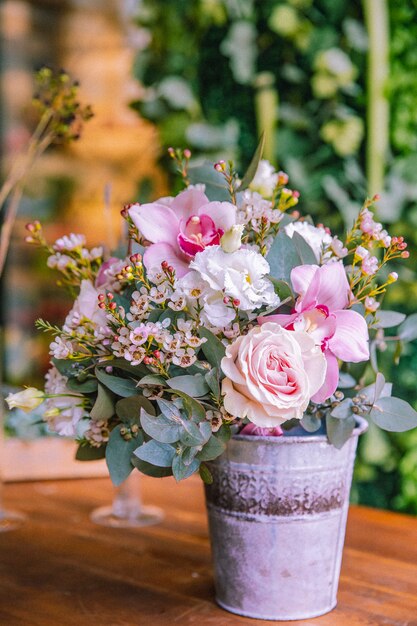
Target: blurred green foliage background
(334, 86)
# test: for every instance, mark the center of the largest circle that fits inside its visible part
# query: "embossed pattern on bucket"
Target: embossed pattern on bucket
(277, 512)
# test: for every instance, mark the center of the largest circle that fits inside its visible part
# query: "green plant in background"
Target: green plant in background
(333, 85)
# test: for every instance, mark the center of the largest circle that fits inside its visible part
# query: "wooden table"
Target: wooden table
(60, 569)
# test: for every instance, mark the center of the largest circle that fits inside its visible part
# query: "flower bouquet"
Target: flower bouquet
(230, 321)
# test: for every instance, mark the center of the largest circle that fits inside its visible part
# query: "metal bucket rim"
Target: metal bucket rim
(362, 426)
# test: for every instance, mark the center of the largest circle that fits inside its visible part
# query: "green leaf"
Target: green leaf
(192, 407)
(393, 414)
(103, 408)
(388, 319)
(152, 379)
(213, 381)
(189, 455)
(128, 409)
(85, 452)
(282, 289)
(408, 329)
(339, 430)
(123, 387)
(136, 370)
(205, 474)
(204, 173)
(253, 165)
(346, 381)
(65, 367)
(181, 470)
(169, 409)
(160, 427)
(151, 470)
(156, 453)
(193, 435)
(283, 257)
(370, 392)
(213, 349)
(343, 410)
(194, 386)
(310, 423)
(305, 251)
(118, 455)
(87, 386)
(212, 449)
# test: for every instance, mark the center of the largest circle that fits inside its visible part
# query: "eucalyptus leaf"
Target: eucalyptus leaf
(339, 430)
(310, 423)
(205, 474)
(152, 379)
(65, 367)
(283, 257)
(213, 349)
(408, 329)
(103, 408)
(343, 410)
(194, 386)
(118, 455)
(85, 452)
(253, 165)
(189, 455)
(192, 407)
(151, 470)
(370, 395)
(393, 414)
(192, 435)
(181, 471)
(128, 409)
(204, 173)
(136, 370)
(282, 289)
(304, 250)
(169, 409)
(160, 427)
(388, 319)
(122, 387)
(87, 386)
(212, 449)
(346, 381)
(156, 453)
(212, 380)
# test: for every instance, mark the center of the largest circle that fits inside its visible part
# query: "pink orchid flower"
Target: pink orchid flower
(324, 296)
(178, 228)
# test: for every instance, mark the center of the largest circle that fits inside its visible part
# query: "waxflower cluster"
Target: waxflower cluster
(231, 312)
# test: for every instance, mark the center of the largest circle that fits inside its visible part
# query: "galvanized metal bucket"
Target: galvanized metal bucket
(277, 512)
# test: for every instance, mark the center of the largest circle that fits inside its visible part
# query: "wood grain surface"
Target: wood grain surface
(59, 569)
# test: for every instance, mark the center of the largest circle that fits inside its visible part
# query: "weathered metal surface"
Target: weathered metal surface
(277, 511)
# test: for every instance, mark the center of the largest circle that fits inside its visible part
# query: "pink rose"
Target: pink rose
(271, 374)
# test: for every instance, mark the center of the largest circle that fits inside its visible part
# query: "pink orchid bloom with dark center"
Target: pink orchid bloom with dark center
(180, 227)
(321, 310)
(199, 232)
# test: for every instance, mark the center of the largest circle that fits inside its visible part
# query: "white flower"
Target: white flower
(61, 348)
(239, 275)
(26, 400)
(316, 236)
(265, 179)
(232, 239)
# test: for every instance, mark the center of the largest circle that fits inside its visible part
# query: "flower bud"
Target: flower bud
(392, 277)
(26, 400)
(187, 153)
(232, 239)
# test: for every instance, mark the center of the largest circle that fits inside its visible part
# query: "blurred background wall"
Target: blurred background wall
(333, 83)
